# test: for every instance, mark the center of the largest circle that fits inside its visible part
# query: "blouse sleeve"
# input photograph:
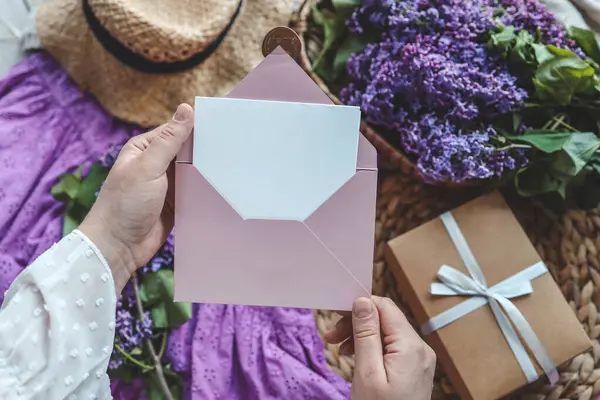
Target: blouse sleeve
(57, 325)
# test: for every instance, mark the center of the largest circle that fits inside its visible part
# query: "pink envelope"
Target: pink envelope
(322, 262)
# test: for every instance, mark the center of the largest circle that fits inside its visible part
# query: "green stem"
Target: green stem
(563, 123)
(533, 105)
(514, 146)
(521, 146)
(162, 382)
(547, 124)
(163, 346)
(133, 360)
(557, 121)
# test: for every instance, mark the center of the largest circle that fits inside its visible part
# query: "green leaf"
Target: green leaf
(69, 224)
(536, 180)
(577, 152)
(557, 171)
(516, 47)
(547, 141)
(176, 391)
(66, 188)
(503, 40)
(571, 150)
(157, 287)
(159, 316)
(78, 195)
(316, 15)
(172, 376)
(125, 373)
(334, 29)
(178, 313)
(594, 163)
(156, 293)
(542, 54)
(351, 44)
(560, 52)
(558, 79)
(586, 39)
(174, 382)
(153, 390)
(345, 7)
(136, 351)
(91, 184)
(517, 120)
(522, 50)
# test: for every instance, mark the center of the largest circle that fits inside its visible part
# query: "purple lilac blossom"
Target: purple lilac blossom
(455, 151)
(431, 79)
(130, 331)
(108, 159)
(534, 17)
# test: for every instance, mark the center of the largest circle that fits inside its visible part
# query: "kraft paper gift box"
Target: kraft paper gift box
(469, 334)
(275, 196)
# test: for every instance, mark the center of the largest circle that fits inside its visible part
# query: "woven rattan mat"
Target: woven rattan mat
(568, 244)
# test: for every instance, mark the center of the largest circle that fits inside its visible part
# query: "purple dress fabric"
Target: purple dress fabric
(239, 352)
(48, 127)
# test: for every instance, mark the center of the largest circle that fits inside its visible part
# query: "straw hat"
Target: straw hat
(141, 58)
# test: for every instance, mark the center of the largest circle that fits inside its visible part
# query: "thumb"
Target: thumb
(367, 338)
(164, 147)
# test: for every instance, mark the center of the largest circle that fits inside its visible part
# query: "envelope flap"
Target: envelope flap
(279, 78)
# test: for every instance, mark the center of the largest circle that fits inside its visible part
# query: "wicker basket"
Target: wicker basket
(390, 158)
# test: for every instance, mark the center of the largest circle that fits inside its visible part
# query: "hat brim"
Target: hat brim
(150, 99)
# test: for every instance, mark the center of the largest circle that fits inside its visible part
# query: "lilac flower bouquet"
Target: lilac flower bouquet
(472, 90)
(146, 313)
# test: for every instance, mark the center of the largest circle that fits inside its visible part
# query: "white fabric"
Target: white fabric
(566, 13)
(17, 31)
(57, 326)
(583, 14)
(508, 316)
(590, 10)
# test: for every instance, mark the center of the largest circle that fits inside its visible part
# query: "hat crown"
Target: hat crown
(165, 31)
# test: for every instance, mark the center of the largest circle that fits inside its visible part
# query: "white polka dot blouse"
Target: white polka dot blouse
(56, 322)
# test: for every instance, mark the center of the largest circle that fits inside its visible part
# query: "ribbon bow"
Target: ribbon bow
(508, 316)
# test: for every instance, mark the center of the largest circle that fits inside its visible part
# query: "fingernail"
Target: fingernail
(182, 114)
(362, 308)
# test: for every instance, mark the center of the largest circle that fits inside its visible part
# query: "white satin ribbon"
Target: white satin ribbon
(508, 316)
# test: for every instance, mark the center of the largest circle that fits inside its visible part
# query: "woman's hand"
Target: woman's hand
(392, 362)
(134, 214)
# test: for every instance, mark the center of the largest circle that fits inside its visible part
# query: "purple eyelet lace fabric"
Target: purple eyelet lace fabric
(238, 352)
(48, 127)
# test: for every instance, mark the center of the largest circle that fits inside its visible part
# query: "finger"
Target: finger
(166, 144)
(393, 321)
(347, 348)
(141, 142)
(367, 339)
(340, 332)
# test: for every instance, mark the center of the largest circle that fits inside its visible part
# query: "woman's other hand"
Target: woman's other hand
(391, 361)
